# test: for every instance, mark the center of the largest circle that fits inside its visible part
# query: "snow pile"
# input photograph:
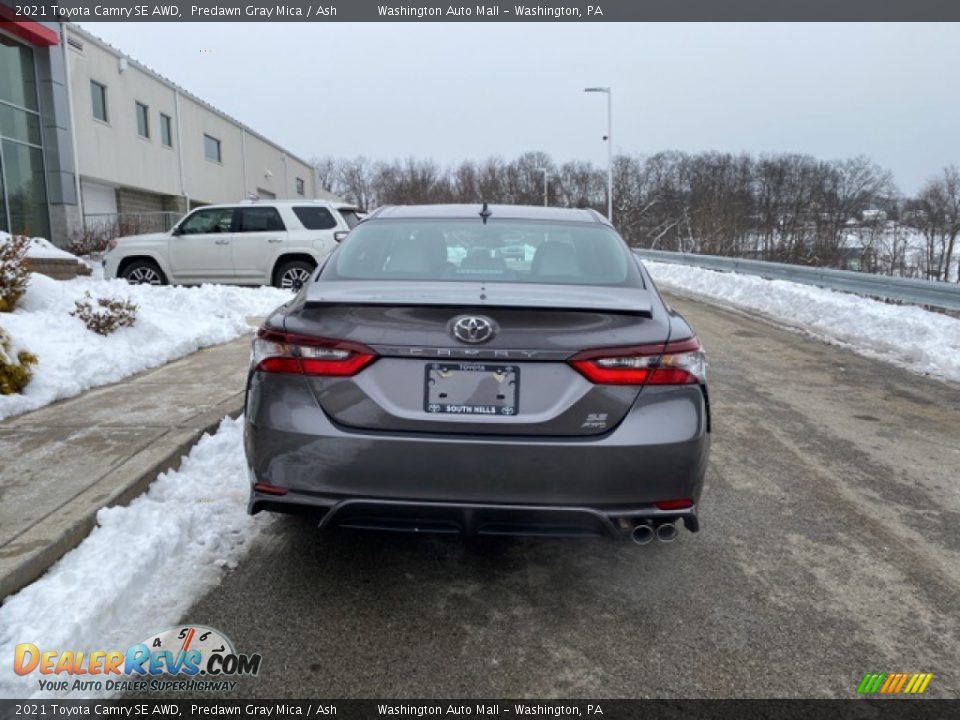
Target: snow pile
(143, 567)
(171, 322)
(914, 338)
(42, 248)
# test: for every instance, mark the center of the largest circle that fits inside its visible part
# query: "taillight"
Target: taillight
(674, 363)
(280, 352)
(267, 489)
(678, 504)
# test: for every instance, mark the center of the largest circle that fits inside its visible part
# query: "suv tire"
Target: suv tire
(143, 272)
(292, 275)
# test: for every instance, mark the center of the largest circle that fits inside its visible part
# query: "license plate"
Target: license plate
(471, 389)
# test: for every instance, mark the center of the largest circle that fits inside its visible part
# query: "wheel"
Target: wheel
(143, 272)
(293, 275)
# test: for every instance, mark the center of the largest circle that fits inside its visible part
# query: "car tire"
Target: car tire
(292, 275)
(143, 272)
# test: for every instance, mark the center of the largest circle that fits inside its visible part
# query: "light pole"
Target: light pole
(546, 174)
(609, 140)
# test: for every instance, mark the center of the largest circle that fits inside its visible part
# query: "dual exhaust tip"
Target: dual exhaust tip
(645, 533)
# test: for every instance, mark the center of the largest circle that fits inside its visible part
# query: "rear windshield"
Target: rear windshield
(500, 251)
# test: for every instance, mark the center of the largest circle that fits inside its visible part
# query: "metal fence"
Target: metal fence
(130, 223)
(915, 292)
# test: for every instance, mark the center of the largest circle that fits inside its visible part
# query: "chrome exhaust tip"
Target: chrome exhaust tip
(642, 534)
(667, 532)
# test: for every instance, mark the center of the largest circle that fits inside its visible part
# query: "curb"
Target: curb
(46, 542)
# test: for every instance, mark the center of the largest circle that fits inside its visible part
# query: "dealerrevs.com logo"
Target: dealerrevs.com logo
(190, 658)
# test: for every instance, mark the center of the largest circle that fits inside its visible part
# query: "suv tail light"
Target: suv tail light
(280, 352)
(673, 363)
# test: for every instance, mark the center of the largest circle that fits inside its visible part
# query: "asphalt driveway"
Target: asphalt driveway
(830, 547)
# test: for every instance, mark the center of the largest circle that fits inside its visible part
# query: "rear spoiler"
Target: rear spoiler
(569, 298)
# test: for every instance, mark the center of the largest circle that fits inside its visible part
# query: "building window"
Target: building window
(166, 130)
(301, 186)
(98, 94)
(211, 148)
(23, 190)
(18, 81)
(143, 120)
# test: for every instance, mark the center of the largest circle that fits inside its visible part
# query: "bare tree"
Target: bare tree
(848, 189)
(490, 180)
(411, 182)
(938, 218)
(465, 183)
(327, 170)
(524, 178)
(355, 182)
(784, 207)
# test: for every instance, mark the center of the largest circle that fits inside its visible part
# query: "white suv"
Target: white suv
(249, 243)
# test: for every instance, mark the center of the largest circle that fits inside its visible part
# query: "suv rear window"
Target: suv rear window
(470, 251)
(315, 218)
(350, 216)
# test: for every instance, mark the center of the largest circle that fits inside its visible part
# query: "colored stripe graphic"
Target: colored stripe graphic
(888, 683)
(871, 683)
(900, 683)
(894, 683)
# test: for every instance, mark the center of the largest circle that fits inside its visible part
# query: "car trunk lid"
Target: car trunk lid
(518, 382)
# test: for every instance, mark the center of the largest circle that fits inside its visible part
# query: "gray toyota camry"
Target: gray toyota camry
(484, 370)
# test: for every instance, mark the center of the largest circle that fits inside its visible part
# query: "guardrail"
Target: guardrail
(915, 292)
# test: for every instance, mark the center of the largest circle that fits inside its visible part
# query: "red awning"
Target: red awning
(33, 32)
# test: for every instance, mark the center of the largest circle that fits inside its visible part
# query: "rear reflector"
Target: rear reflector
(280, 352)
(674, 363)
(269, 489)
(678, 504)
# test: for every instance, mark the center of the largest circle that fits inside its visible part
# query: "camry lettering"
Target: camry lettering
(467, 352)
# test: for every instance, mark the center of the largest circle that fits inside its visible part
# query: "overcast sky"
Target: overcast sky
(468, 90)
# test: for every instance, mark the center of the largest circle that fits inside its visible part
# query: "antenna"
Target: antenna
(485, 213)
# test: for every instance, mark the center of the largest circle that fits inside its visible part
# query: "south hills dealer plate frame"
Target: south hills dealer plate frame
(470, 388)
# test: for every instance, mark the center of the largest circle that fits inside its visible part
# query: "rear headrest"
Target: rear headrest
(424, 254)
(555, 258)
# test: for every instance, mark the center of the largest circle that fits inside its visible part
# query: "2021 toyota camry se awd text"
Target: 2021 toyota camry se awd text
(426, 379)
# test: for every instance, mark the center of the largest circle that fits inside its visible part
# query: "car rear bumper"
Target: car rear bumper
(478, 482)
(471, 519)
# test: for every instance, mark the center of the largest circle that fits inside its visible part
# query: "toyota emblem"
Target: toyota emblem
(473, 328)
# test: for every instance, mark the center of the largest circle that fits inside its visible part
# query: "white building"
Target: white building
(122, 147)
(145, 145)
